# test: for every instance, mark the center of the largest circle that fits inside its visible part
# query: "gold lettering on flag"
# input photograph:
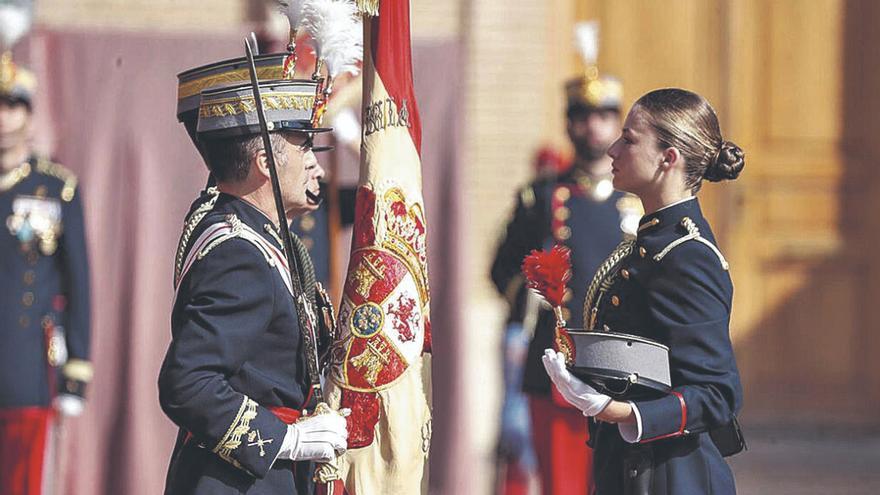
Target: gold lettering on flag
(385, 113)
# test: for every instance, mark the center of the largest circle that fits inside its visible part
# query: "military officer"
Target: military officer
(670, 284)
(580, 209)
(235, 376)
(312, 227)
(44, 297)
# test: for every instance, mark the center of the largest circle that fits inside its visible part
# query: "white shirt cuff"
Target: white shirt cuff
(288, 444)
(632, 433)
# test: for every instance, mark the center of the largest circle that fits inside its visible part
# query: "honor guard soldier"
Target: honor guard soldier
(579, 209)
(671, 285)
(235, 378)
(44, 297)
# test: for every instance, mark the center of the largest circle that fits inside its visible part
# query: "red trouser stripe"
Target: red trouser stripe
(560, 440)
(23, 435)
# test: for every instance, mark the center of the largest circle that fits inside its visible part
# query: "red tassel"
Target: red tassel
(548, 272)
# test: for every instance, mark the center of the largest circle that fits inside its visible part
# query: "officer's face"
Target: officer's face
(15, 121)
(592, 131)
(636, 156)
(300, 175)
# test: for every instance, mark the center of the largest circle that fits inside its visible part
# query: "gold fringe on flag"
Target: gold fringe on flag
(368, 7)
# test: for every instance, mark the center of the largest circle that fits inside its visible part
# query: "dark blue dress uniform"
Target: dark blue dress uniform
(236, 352)
(564, 210)
(671, 285)
(44, 297)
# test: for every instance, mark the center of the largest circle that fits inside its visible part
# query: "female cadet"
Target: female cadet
(669, 284)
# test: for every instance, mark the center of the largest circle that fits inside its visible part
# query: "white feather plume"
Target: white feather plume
(586, 40)
(336, 31)
(293, 10)
(15, 21)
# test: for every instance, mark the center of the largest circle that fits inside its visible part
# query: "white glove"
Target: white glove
(320, 437)
(69, 405)
(576, 392)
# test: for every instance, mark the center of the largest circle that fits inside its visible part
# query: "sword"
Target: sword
(304, 313)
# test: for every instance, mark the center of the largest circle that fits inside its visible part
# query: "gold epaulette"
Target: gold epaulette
(693, 233)
(52, 169)
(10, 179)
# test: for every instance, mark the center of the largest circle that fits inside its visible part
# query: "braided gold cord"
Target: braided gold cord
(190, 226)
(606, 269)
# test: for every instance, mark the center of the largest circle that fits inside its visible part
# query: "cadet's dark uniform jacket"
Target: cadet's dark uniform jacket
(551, 211)
(671, 284)
(236, 351)
(44, 296)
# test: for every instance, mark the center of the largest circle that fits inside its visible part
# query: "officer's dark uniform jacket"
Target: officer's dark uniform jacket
(557, 211)
(670, 284)
(236, 351)
(44, 296)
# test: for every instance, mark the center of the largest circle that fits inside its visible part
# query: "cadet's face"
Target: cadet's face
(300, 175)
(14, 123)
(592, 132)
(635, 155)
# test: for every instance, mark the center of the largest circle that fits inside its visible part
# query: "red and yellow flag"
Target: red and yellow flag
(381, 361)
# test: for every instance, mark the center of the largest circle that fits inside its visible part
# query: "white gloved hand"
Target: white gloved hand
(320, 437)
(69, 405)
(576, 392)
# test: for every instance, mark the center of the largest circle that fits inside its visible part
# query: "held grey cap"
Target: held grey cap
(620, 365)
(232, 111)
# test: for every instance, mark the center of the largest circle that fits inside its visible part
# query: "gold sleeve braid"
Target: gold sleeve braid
(238, 429)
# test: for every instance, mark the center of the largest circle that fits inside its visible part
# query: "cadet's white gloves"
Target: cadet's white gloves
(69, 405)
(320, 437)
(576, 392)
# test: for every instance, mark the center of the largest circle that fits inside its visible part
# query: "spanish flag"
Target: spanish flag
(381, 359)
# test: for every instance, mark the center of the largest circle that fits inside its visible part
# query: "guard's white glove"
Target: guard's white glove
(69, 405)
(576, 392)
(320, 437)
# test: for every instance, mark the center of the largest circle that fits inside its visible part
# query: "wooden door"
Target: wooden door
(794, 84)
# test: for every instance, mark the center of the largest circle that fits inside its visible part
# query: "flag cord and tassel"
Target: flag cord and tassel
(547, 273)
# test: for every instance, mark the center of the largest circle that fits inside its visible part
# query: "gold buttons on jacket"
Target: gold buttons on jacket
(563, 233)
(308, 242)
(562, 214)
(28, 298)
(643, 252)
(29, 277)
(307, 223)
(625, 274)
(562, 194)
(615, 301)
